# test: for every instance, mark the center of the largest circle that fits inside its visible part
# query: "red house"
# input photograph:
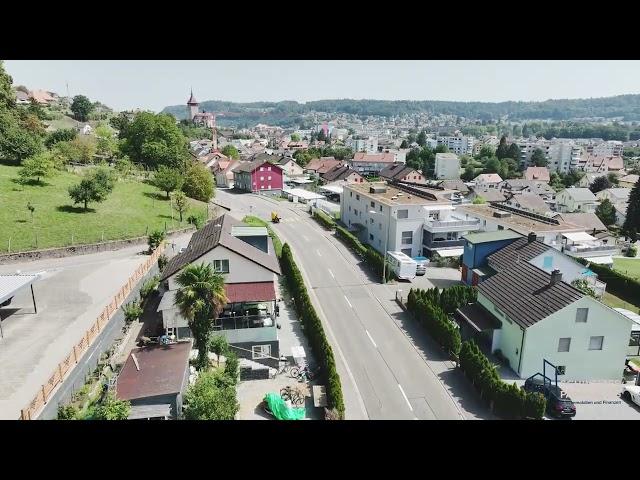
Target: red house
(258, 176)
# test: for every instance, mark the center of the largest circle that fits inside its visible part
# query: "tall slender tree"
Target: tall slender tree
(200, 299)
(631, 226)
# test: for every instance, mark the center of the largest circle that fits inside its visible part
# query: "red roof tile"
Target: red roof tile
(250, 292)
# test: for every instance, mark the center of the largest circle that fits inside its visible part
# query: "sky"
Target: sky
(154, 84)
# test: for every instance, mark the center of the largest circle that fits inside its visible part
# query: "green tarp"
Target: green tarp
(280, 410)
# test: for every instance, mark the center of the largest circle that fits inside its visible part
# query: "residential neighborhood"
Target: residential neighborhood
(219, 260)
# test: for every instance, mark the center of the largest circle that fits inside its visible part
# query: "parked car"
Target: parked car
(558, 403)
(422, 263)
(631, 393)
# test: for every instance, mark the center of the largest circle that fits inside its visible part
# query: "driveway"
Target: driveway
(70, 295)
(600, 401)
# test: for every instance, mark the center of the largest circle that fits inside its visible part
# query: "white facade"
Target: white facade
(576, 200)
(458, 144)
(611, 148)
(562, 155)
(368, 145)
(447, 166)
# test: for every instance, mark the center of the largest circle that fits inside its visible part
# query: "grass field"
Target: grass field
(132, 210)
(628, 266)
(615, 302)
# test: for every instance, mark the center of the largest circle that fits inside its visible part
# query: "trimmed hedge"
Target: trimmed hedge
(325, 220)
(619, 284)
(371, 256)
(313, 329)
(509, 401)
(432, 308)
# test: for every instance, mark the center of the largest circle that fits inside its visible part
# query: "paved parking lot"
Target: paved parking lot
(600, 401)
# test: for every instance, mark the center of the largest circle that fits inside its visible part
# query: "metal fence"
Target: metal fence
(79, 349)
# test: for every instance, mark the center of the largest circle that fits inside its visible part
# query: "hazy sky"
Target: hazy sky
(155, 84)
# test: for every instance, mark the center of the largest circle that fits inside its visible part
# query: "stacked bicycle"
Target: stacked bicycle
(294, 395)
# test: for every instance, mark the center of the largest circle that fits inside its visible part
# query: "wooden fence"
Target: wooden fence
(79, 349)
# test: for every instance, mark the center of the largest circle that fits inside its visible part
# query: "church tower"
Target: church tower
(192, 106)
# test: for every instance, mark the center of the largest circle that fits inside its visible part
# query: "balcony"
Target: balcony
(585, 251)
(451, 225)
(443, 243)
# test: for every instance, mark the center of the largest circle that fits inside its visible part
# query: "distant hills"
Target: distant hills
(626, 107)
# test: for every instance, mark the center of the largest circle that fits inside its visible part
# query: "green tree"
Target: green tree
(168, 179)
(120, 122)
(36, 109)
(584, 287)
(198, 182)
(81, 108)
(469, 173)
(230, 151)
(105, 178)
(180, 203)
(39, 166)
(80, 149)
(631, 225)
(7, 95)
(514, 152)
(231, 365)
(219, 346)
(479, 200)
(155, 239)
(538, 158)
(492, 166)
(95, 187)
(599, 184)
(211, 397)
(62, 135)
(106, 144)
(404, 144)
(200, 299)
(422, 138)
(113, 409)
(294, 137)
(556, 182)
(503, 149)
(154, 140)
(17, 142)
(486, 151)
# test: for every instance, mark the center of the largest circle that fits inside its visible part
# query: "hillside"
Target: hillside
(129, 210)
(625, 106)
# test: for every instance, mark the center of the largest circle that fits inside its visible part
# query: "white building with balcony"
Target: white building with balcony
(363, 144)
(447, 166)
(583, 245)
(459, 145)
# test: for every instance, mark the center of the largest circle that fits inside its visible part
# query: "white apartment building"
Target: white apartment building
(562, 155)
(406, 222)
(459, 145)
(447, 166)
(358, 144)
(611, 148)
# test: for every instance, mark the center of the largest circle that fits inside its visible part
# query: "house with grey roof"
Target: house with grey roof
(401, 173)
(576, 200)
(530, 315)
(246, 258)
(529, 201)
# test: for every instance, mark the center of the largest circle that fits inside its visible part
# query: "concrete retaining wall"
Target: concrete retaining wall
(89, 361)
(80, 249)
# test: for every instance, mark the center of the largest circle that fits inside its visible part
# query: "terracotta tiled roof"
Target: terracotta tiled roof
(374, 157)
(537, 173)
(250, 292)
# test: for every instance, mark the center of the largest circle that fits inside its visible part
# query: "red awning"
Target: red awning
(250, 292)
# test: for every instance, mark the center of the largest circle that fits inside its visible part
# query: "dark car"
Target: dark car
(558, 403)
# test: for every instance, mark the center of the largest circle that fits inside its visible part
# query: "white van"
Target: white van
(402, 265)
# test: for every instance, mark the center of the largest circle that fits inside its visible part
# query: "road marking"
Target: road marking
(305, 238)
(334, 277)
(405, 397)
(318, 252)
(371, 338)
(345, 297)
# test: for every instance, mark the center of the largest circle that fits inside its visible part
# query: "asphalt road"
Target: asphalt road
(382, 373)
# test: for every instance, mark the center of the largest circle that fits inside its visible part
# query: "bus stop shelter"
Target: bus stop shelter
(10, 285)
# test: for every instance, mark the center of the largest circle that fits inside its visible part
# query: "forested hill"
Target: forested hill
(625, 106)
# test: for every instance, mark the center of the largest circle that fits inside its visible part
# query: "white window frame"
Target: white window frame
(567, 344)
(403, 239)
(258, 352)
(404, 213)
(586, 316)
(601, 342)
(218, 265)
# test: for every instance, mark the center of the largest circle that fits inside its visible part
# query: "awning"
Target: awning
(478, 318)
(12, 284)
(250, 292)
(332, 188)
(579, 237)
(450, 252)
(601, 260)
(430, 208)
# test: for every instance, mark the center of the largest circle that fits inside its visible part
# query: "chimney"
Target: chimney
(531, 237)
(556, 276)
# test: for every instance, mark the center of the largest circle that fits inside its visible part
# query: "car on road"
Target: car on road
(631, 393)
(558, 402)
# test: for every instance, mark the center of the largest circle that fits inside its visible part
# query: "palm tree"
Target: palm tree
(200, 299)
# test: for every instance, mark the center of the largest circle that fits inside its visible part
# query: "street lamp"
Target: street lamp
(386, 243)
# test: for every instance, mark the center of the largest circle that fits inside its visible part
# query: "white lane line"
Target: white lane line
(334, 277)
(345, 297)
(318, 252)
(405, 397)
(371, 338)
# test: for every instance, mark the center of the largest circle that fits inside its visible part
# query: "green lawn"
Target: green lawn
(131, 210)
(628, 266)
(615, 302)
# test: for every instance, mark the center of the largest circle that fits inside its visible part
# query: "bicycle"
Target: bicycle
(292, 394)
(303, 374)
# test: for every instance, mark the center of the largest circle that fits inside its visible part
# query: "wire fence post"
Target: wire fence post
(9, 244)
